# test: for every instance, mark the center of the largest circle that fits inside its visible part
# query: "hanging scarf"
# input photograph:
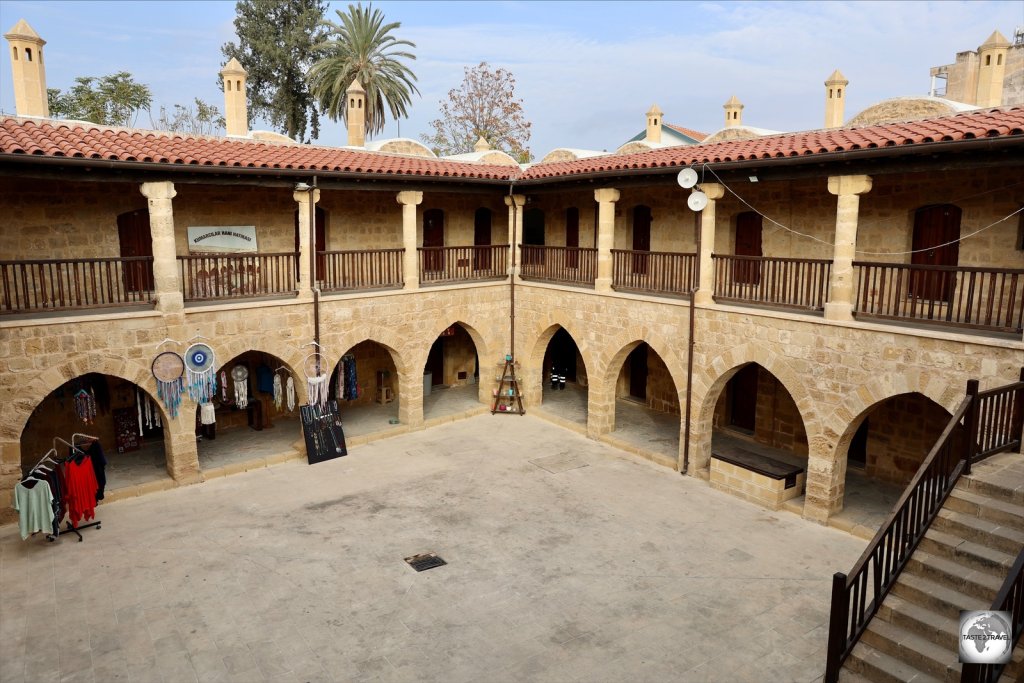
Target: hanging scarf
(207, 414)
(157, 420)
(138, 407)
(291, 394)
(85, 406)
(278, 392)
(223, 387)
(241, 394)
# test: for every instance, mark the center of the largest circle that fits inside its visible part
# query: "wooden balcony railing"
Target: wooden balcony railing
(64, 284)
(658, 272)
(237, 276)
(571, 265)
(789, 282)
(982, 298)
(462, 264)
(354, 270)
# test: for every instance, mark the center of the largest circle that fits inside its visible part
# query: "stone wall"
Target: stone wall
(370, 358)
(662, 393)
(900, 432)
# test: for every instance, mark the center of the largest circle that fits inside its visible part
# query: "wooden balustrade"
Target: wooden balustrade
(237, 276)
(1010, 598)
(570, 265)
(658, 272)
(1000, 420)
(355, 270)
(36, 285)
(788, 282)
(984, 298)
(462, 264)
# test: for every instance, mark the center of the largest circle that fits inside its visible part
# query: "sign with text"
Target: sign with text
(225, 239)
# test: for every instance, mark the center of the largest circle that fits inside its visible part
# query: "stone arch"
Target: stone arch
(288, 354)
(419, 356)
(625, 344)
(410, 386)
(532, 371)
(708, 385)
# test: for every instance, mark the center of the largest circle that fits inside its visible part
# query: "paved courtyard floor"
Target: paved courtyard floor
(567, 561)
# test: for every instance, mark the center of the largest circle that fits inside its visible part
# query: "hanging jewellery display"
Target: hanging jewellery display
(85, 405)
(240, 376)
(168, 368)
(200, 373)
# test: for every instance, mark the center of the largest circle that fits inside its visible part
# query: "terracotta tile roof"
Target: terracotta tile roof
(54, 139)
(85, 141)
(988, 123)
(688, 132)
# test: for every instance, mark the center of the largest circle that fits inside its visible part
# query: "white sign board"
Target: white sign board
(222, 239)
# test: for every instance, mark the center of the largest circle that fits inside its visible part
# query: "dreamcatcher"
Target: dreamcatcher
(290, 391)
(240, 375)
(278, 391)
(316, 383)
(168, 368)
(201, 373)
(85, 405)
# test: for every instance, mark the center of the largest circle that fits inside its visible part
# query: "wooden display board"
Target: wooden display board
(321, 427)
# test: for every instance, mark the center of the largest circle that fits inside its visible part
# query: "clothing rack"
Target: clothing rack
(60, 460)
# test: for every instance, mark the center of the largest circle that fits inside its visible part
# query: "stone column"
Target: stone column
(848, 189)
(826, 482)
(606, 199)
(410, 260)
(166, 281)
(182, 453)
(306, 244)
(706, 286)
(410, 397)
(515, 204)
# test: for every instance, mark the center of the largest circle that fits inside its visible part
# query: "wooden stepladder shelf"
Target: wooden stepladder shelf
(508, 398)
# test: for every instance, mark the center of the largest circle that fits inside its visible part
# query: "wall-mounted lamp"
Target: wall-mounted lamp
(302, 187)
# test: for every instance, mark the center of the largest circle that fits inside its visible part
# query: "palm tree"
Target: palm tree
(360, 47)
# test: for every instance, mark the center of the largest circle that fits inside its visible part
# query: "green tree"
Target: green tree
(361, 46)
(113, 100)
(275, 46)
(198, 119)
(485, 105)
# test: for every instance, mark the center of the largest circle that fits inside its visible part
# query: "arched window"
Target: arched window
(988, 60)
(28, 54)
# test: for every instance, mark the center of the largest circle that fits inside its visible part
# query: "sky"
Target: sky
(586, 71)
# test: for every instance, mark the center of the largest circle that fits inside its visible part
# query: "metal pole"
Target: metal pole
(512, 277)
(692, 341)
(313, 274)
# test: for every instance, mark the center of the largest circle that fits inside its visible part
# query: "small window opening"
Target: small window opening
(229, 86)
(238, 85)
(988, 60)
(28, 54)
(999, 60)
(735, 115)
(15, 50)
(831, 93)
(359, 104)
(839, 92)
(352, 102)
(655, 121)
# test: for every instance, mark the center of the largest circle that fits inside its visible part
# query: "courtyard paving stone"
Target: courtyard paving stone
(613, 571)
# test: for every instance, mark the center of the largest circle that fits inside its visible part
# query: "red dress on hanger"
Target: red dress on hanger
(81, 490)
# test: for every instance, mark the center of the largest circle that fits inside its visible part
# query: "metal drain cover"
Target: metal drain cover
(425, 561)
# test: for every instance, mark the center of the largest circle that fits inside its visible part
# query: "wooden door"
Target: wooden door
(638, 372)
(748, 243)
(482, 238)
(641, 237)
(563, 354)
(533, 235)
(135, 239)
(857, 455)
(743, 398)
(572, 237)
(433, 236)
(435, 362)
(320, 244)
(936, 231)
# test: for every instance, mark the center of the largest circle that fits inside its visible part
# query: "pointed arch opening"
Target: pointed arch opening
(365, 384)
(244, 421)
(564, 381)
(451, 374)
(647, 408)
(129, 423)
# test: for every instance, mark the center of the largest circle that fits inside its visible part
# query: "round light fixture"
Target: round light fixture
(687, 178)
(697, 201)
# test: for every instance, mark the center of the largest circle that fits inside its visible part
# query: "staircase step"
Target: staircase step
(847, 676)
(985, 532)
(938, 627)
(967, 553)
(993, 509)
(945, 602)
(877, 666)
(913, 650)
(952, 574)
(988, 488)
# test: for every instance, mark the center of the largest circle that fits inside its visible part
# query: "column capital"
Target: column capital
(161, 190)
(849, 184)
(607, 194)
(410, 197)
(519, 199)
(712, 190)
(303, 196)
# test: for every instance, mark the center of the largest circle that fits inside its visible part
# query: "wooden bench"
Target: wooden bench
(755, 477)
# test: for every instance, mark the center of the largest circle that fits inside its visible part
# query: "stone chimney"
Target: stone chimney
(27, 71)
(835, 99)
(355, 112)
(236, 112)
(481, 145)
(733, 112)
(991, 70)
(654, 120)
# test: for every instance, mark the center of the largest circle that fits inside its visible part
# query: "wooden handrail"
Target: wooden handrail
(360, 269)
(1010, 598)
(789, 282)
(237, 276)
(29, 285)
(658, 272)
(566, 265)
(462, 264)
